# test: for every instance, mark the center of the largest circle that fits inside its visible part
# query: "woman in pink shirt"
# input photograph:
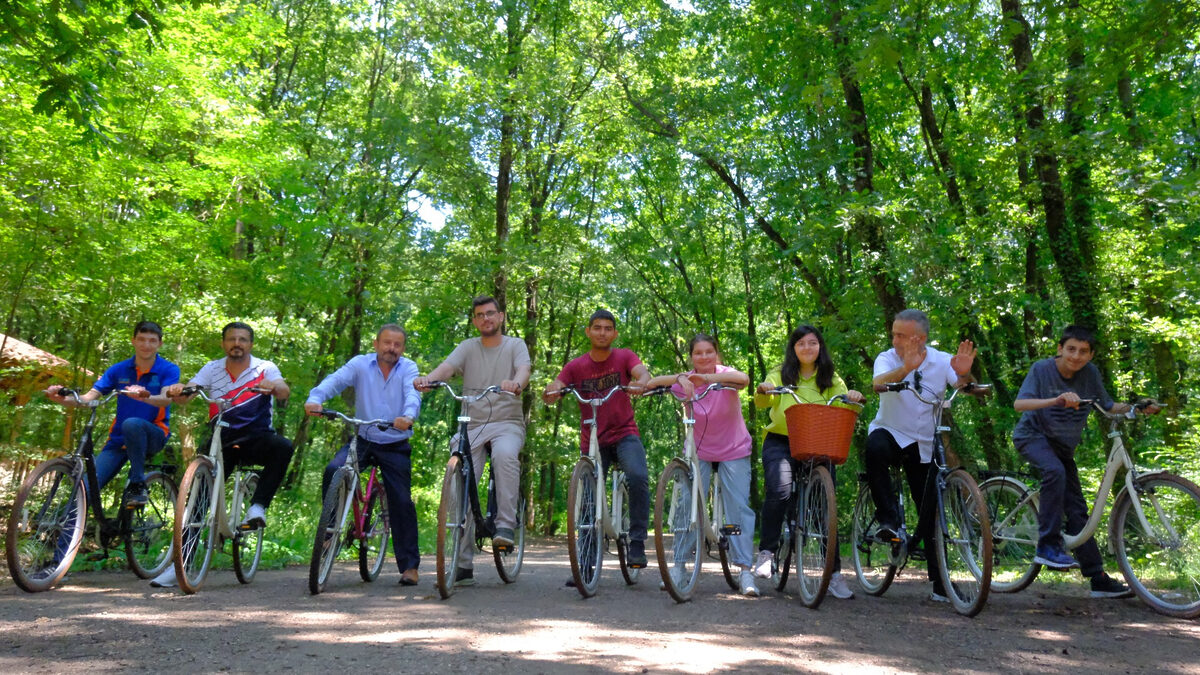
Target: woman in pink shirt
(721, 440)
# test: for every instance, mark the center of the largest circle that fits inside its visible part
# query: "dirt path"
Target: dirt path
(111, 621)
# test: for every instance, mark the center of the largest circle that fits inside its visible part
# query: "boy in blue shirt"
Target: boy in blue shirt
(142, 424)
(1050, 428)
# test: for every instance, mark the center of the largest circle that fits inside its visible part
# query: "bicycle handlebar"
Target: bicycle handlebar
(382, 425)
(594, 402)
(696, 396)
(495, 388)
(789, 389)
(973, 388)
(1128, 414)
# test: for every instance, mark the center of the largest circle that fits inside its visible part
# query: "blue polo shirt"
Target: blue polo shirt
(162, 374)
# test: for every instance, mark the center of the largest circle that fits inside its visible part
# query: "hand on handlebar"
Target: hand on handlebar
(423, 384)
(136, 391)
(402, 423)
(855, 396)
(511, 386)
(313, 409)
(1067, 399)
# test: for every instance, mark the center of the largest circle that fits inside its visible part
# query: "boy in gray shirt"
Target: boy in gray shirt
(497, 421)
(1046, 436)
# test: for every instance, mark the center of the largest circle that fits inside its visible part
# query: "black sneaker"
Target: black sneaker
(637, 555)
(136, 496)
(464, 577)
(888, 533)
(1104, 586)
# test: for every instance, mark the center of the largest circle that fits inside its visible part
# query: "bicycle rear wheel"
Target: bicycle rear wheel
(452, 523)
(816, 536)
(1161, 557)
(45, 526)
(787, 544)
(875, 562)
(718, 523)
(149, 539)
(964, 544)
(376, 532)
(328, 540)
(508, 562)
(677, 527)
(620, 507)
(247, 544)
(195, 531)
(585, 535)
(1012, 510)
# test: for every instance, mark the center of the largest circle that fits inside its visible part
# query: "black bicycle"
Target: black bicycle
(48, 519)
(460, 492)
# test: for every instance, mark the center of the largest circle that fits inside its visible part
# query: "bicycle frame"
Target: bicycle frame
(358, 500)
(603, 514)
(463, 451)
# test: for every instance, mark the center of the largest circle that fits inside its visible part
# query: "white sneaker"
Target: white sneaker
(256, 518)
(748, 586)
(839, 588)
(764, 563)
(166, 579)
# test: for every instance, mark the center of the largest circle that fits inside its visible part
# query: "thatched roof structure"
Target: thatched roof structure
(27, 368)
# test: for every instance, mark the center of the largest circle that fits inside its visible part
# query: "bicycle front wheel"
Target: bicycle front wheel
(875, 561)
(718, 524)
(452, 524)
(247, 544)
(328, 540)
(677, 531)
(45, 526)
(964, 544)
(620, 509)
(1160, 556)
(816, 536)
(585, 535)
(195, 531)
(376, 532)
(1012, 511)
(149, 539)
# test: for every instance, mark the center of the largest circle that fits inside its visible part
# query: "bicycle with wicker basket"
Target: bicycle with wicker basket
(819, 438)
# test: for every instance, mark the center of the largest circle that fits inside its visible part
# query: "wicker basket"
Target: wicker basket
(818, 431)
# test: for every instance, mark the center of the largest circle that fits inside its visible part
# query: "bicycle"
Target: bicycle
(1153, 528)
(962, 533)
(460, 492)
(47, 522)
(818, 435)
(203, 524)
(590, 526)
(680, 514)
(369, 526)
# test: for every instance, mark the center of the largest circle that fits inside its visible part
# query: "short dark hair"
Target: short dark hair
(602, 314)
(394, 327)
(147, 327)
(237, 324)
(916, 316)
(480, 300)
(1081, 333)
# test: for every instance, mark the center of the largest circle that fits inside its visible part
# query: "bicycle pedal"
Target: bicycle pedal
(731, 530)
(504, 548)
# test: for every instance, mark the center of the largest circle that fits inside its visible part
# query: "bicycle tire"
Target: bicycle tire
(452, 523)
(676, 533)
(585, 535)
(327, 540)
(782, 565)
(620, 507)
(375, 535)
(1012, 510)
(195, 531)
(875, 562)
(149, 530)
(247, 545)
(816, 536)
(1162, 566)
(964, 544)
(48, 508)
(723, 540)
(508, 563)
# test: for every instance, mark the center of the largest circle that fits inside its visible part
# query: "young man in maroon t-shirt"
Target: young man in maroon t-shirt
(595, 372)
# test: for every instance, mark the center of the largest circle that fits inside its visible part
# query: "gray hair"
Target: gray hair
(916, 316)
(395, 327)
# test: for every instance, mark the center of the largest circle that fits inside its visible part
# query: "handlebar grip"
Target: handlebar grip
(977, 389)
(328, 414)
(1144, 403)
(67, 392)
(890, 386)
(189, 391)
(385, 427)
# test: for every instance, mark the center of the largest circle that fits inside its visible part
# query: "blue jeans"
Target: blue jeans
(142, 439)
(735, 480)
(395, 464)
(1061, 496)
(629, 453)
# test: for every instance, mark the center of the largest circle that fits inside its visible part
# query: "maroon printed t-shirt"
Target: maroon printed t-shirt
(593, 379)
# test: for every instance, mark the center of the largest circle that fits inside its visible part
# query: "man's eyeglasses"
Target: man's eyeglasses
(486, 315)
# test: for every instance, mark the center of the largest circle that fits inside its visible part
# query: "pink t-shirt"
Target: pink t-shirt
(593, 379)
(721, 434)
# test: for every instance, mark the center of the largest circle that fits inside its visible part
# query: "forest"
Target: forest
(318, 169)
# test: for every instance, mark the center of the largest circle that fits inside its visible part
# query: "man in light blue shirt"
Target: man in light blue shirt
(383, 389)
